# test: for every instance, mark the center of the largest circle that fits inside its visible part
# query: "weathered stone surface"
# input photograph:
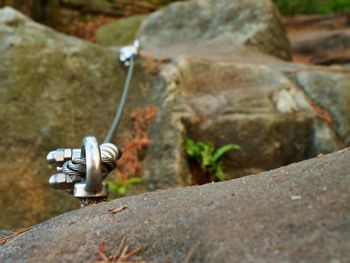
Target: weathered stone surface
(121, 32)
(214, 51)
(5, 233)
(261, 108)
(256, 24)
(292, 214)
(331, 91)
(54, 90)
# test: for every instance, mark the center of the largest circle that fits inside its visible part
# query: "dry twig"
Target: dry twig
(18, 233)
(118, 209)
(115, 210)
(122, 255)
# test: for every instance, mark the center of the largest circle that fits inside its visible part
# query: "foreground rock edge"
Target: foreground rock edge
(297, 212)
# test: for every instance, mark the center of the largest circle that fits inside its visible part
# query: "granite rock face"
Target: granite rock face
(252, 23)
(262, 108)
(331, 91)
(299, 213)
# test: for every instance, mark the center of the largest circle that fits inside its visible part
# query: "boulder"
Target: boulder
(195, 23)
(119, 33)
(54, 90)
(261, 108)
(331, 91)
(296, 213)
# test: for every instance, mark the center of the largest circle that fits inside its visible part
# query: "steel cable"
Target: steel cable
(121, 106)
(77, 168)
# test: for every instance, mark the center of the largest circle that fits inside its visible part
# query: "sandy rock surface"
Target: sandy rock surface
(295, 213)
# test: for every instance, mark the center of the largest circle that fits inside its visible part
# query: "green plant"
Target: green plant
(208, 157)
(119, 186)
(293, 7)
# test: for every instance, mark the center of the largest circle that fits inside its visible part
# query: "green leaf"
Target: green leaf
(122, 190)
(219, 173)
(134, 180)
(206, 155)
(191, 147)
(120, 186)
(112, 187)
(223, 149)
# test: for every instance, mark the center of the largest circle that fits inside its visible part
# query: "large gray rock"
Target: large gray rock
(261, 108)
(181, 25)
(54, 90)
(331, 91)
(298, 213)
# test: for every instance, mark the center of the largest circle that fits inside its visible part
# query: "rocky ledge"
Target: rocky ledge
(297, 213)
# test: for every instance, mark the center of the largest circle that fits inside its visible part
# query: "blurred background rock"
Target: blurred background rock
(317, 29)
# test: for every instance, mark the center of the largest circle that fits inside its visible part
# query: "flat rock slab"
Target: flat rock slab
(253, 23)
(297, 213)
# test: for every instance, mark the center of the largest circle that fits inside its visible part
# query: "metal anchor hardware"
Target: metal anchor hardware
(128, 52)
(82, 171)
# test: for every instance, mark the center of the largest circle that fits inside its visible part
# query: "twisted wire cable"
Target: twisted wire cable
(121, 106)
(76, 168)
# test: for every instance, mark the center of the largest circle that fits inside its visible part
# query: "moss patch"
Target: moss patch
(121, 32)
